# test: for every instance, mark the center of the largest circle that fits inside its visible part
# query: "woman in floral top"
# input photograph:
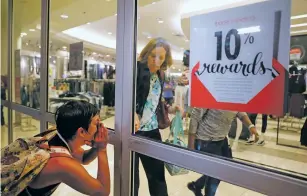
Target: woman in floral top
(154, 59)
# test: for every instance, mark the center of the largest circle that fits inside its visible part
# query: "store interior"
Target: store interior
(94, 80)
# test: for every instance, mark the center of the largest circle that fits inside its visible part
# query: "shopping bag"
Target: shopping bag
(176, 131)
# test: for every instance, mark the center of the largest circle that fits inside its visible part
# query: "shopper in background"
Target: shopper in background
(253, 118)
(208, 133)
(77, 124)
(168, 92)
(153, 60)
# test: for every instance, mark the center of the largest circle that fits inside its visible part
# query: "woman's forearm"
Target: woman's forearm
(103, 174)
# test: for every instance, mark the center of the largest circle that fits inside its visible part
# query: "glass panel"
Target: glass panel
(175, 181)
(91, 168)
(26, 53)
(4, 126)
(82, 54)
(169, 30)
(24, 125)
(4, 47)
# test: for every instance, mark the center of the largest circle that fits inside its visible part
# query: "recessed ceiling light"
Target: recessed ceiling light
(94, 53)
(299, 25)
(299, 16)
(110, 33)
(115, 14)
(107, 55)
(27, 43)
(23, 34)
(88, 23)
(153, 2)
(32, 30)
(39, 46)
(54, 61)
(179, 69)
(148, 37)
(64, 16)
(160, 21)
(301, 31)
(173, 67)
(64, 47)
(49, 57)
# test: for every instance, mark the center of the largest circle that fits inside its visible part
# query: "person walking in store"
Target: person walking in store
(154, 59)
(208, 133)
(77, 124)
(253, 118)
(168, 92)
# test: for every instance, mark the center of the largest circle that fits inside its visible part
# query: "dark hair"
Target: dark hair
(73, 115)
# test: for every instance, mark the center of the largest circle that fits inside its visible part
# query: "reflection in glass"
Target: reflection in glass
(263, 148)
(179, 180)
(26, 53)
(24, 126)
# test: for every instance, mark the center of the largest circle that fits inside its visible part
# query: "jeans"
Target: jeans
(154, 169)
(220, 148)
(253, 118)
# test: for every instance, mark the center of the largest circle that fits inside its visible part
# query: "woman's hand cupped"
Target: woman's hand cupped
(101, 137)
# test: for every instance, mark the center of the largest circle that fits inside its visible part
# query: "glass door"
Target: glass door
(155, 72)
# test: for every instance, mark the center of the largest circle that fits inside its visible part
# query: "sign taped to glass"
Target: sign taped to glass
(239, 58)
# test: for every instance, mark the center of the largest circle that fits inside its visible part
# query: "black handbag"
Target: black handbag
(162, 115)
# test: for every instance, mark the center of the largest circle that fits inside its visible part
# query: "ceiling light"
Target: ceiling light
(54, 61)
(110, 33)
(32, 30)
(302, 31)
(107, 55)
(179, 69)
(39, 46)
(88, 23)
(64, 47)
(64, 16)
(299, 16)
(299, 25)
(49, 57)
(149, 37)
(115, 14)
(27, 43)
(186, 40)
(94, 53)
(173, 67)
(160, 21)
(182, 48)
(108, 0)
(23, 34)
(153, 2)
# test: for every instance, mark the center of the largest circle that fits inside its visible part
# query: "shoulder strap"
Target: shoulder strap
(59, 152)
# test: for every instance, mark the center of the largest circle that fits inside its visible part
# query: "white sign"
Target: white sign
(235, 48)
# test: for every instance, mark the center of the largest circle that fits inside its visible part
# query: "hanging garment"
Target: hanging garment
(297, 103)
(304, 134)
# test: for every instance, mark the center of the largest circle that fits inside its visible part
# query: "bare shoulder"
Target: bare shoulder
(52, 172)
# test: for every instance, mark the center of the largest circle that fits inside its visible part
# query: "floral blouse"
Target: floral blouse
(149, 120)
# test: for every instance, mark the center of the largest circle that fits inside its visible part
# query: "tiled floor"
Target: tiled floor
(271, 155)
